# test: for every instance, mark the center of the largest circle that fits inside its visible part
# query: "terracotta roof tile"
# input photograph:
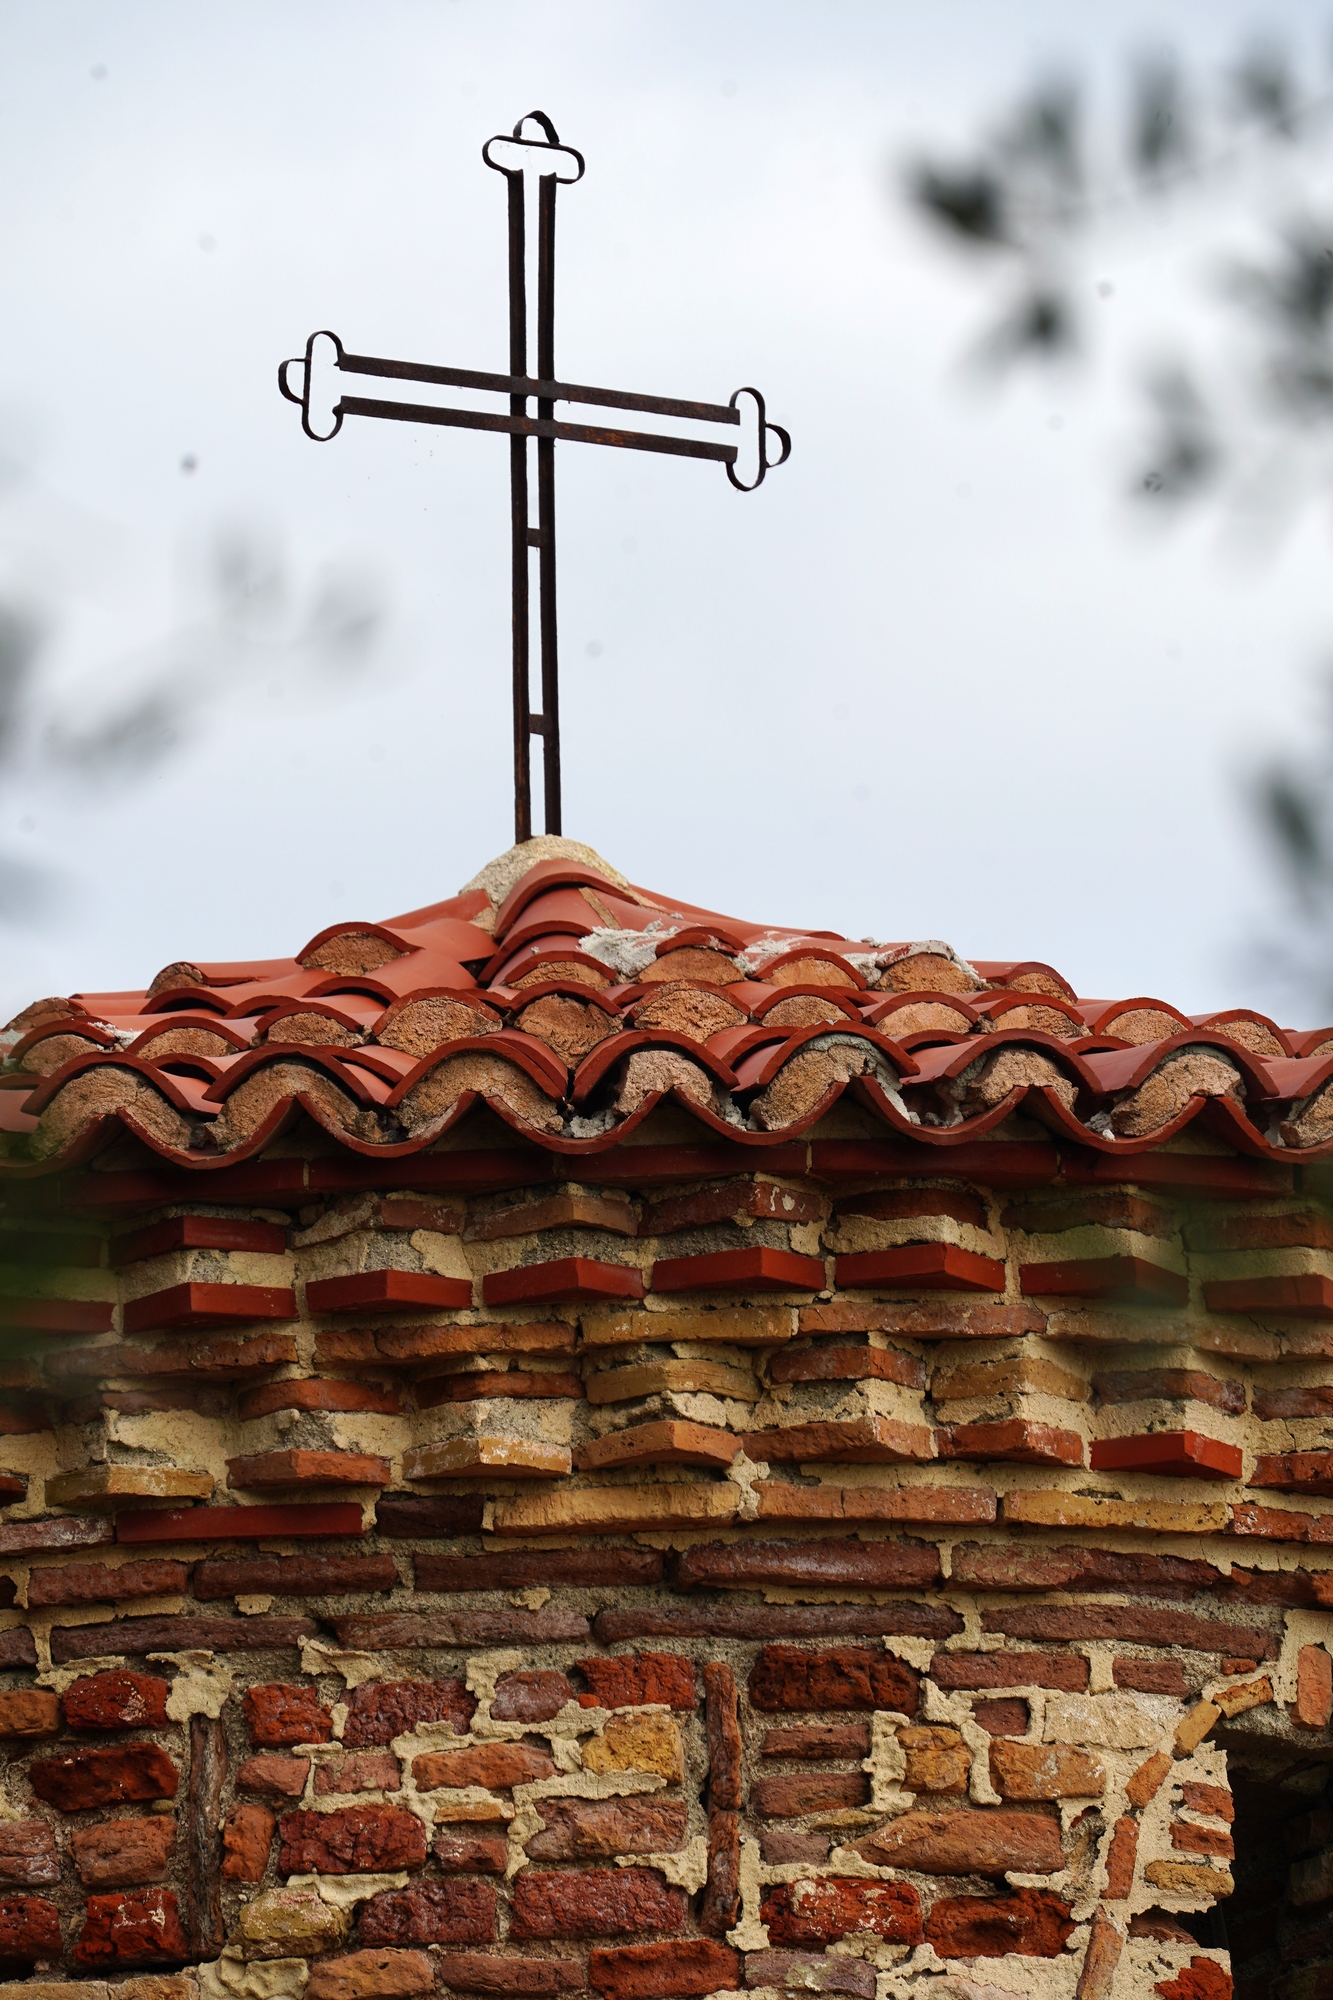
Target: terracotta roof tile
(578, 1003)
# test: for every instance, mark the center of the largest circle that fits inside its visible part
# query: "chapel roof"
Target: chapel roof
(573, 1002)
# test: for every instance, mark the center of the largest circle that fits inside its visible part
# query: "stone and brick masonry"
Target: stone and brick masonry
(855, 1562)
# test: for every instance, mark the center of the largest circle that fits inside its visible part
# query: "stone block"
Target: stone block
(124, 1853)
(842, 1677)
(1045, 1771)
(247, 1836)
(968, 1841)
(594, 1902)
(134, 1929)
(637, 1743)
(606, 1510)
(278, 1716)
(128, 1773)
(1185, 1878)
(430, 1913)
(822, 1909)
(599, 1829)
(1032, 1923)
(358, 1840)
(115, 1700)
(289, 1923)
(937, 1759)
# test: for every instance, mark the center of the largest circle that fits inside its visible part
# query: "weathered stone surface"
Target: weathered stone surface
(844, 1564)
(247, 1837)
(1045, 1771)
(465, 1850)
(1129, 1622)
(532, 1695)
(28, 1712)
(1031, 1922)
(358, 1840)
(105, 1583)
(498, 1765)
(385, 1974)
(825, 1908)
(431, 1913)
(28, 1857)
(276, 1777)
(937, 1759)
(804, 1972)
(294, 1576)
(124, 1853)
(115, 1700)
(141, 1636)
(289, 1923)
(595, 1829)
(1066, 1671)
(637, 1743)
(136, 1929)
(775, 1621)
(83, 1778)
(968, 1842)
(363, 1771)
(1184, 1878)
(789, 1798)
(278, 1716)
(29, 1928)
(843, 1677)
(653, 1971)
(481, 1972)
(808, 1740)
(386, 1630)
(381, 1710)
(634, 1679)
(594, 1902)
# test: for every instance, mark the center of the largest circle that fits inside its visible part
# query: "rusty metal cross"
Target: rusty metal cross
(309, 380)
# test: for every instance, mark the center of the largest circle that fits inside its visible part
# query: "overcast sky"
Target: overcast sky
(936, 679)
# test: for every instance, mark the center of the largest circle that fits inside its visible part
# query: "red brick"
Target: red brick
(1153, 1676)
(141, 1929)
(1182, 1454)
(723, 1732)
(956, 1320)
(1105, 1945)
(1005, 1717)
(317, 1393)
(629, 1680)
(720, 1905)
(380, 1291)
(200, 1305)
(28, 1713)
(1120, 1859)
(1066, 1671)
(1201, 1979)
(430, 1913)
(278, 1777)
(196, 1232)
(823, 1909)
(1145, 1783)
(363, 1771)
(690, 1966)
(757, 1268)
(144, 1636)
(247, 1837)
(488, 1383)
(930, 1267)
(294, 1576)
(781, 1844)
(1112, 1210)
(598, 1829)
(479, 1972)
(533, 1695)
(1305, 1295)
(380, 1710)
(1314, 1687)
(1191, 1839)
(29, 1928)
(389, 1631)
(906, 1203)
(17, 1648)
(839, 1563)
(1260, 1232)
(240, 1524)
(1131, 1624)
(594, 1902)
(105, 1583)
(764, 1199)
(501, 1765)
(814, 1739)
(1172, 1385)
(259, 1470)
(804, 1971)
(278, 1716)
(465, 1850)
(124, 1853)
(716, 1620)
(844, 1677)
(789, 1798)
(1124, 1280)
(848, 1364)
(963, 1841)
(1032, 1922)
(1015, 1440)
(868, 1440)
(1028, 1566)
(563, 1281)
(28, 1857)
(1216, 1801)
(128, 1772)
(115, 1700)
(430, 1514)
(382, 1974)
(1045, 1771)
(358, 1840)
(518, 1568)
(1295, 1472)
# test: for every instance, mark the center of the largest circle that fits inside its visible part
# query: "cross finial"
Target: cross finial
(306, 381)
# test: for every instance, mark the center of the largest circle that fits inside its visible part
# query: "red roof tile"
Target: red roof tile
(769, 1028)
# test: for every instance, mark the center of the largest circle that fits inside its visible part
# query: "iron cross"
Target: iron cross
(308, 380)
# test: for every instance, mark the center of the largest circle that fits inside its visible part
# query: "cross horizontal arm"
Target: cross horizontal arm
(528, 385)
(536, 427)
